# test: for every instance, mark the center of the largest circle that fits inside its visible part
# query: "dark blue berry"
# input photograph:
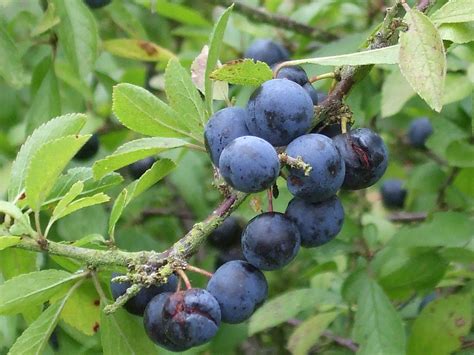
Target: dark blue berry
(222, 128)
(270, 241)
(191, 317)
(233, 253)
(227, 234)
(426, 300)
(279, 111)
(137, 304)
(419, 131)
(240, 289)
(393, 193)
(268, 51)
(89, 149)
(138, 168)
(249, 164)
(312, 92)
(294, 73)
(365, 156)
(327, 173)
(96, 4)
(318, 223)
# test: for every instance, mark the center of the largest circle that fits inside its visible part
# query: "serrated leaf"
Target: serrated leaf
(157, 172)
(8, 241)
(215, 44)
(455, 11)
(85, 176)
(73, 192)
(132, 151)
(243, 72)
(395, 93)
(121, 333)
(48, 21)
(447, 229)
(11, 68)
(31, 289)
(142, 112)
(441, 325)
(378, 327)
(46, 166)
(422, 58)
(137, 49)
(78, 35)
(286, 306)
(307, 333)
(184, 98)
(82, 203)
(457, 32)
(460, 153)
(55, 128)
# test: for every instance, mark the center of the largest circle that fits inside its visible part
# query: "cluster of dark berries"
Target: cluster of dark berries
(227, 240)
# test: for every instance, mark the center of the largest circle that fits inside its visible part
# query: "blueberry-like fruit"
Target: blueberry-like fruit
(270, 241)
(154, 323)
(136, 305)
(138, 168)
(365, 156)
(279, 111)
(249, 164)
(96, 4)
(393, 193)
(318, 223)
(191, 317)
(419, 131)
(426, 300)
(312, 92)
(233, 253)
(89, 149)
(294, 73)
(327, 168)
(227, 234)
(329, 130)
(240, 289)
(267, 51)
(222, 128)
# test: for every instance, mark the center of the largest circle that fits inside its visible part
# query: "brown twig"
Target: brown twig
(199, 271)
(345, 342)
(407, 217)
(185, 278)
(270, 199)
(441, 199)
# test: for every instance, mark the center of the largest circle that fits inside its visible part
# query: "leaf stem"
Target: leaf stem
(185, 278)
(330, 75)
(199, 270)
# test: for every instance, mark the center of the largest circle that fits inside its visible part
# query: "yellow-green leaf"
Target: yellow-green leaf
(137, 49)
(455, 11)
(8, 241)
(243, 72)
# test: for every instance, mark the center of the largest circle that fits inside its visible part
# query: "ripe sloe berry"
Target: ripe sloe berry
(279, 111)
(222, 128)
(312, 92)
(393, 193)
(233, 253)
(365, 155)
(154, 323)
(294, 73)
(267, 51)
(249, 164)
(138, 168)
(270, 241)
(419, 131)
(136, 305)
(240, 289)
(89, 149)
(227, 234)
(96, 4)
(327, 173)
(426, 300)
(191, 317)
(318, 223)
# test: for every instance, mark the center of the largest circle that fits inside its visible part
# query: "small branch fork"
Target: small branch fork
(296, 163)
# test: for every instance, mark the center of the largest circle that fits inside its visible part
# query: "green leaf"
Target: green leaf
(78, 35)
(456, 88)
(47, 164)
(460, 153)
(10, 209)
(455, 11)
(184, 98)
(142, 112)
(157, 172)
(85, 176)
(395, 93)
(56, 128)
(73, 192)
(180, 13)
(125, 20)
(8, 241)
(11, 68)
(48, 21)
(14, 262)
(286, 306)
(457, 32)
(378, 327)
(447, 229)
(137, 49)
(132, 151)
(82, 203)
(441, 325)
(121, 333)
(215, 44)
(31, 289)
(422, 58)
(243, 72)
(308, 332)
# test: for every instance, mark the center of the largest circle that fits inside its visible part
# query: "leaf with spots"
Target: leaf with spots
(137, 49)
(243, 72)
